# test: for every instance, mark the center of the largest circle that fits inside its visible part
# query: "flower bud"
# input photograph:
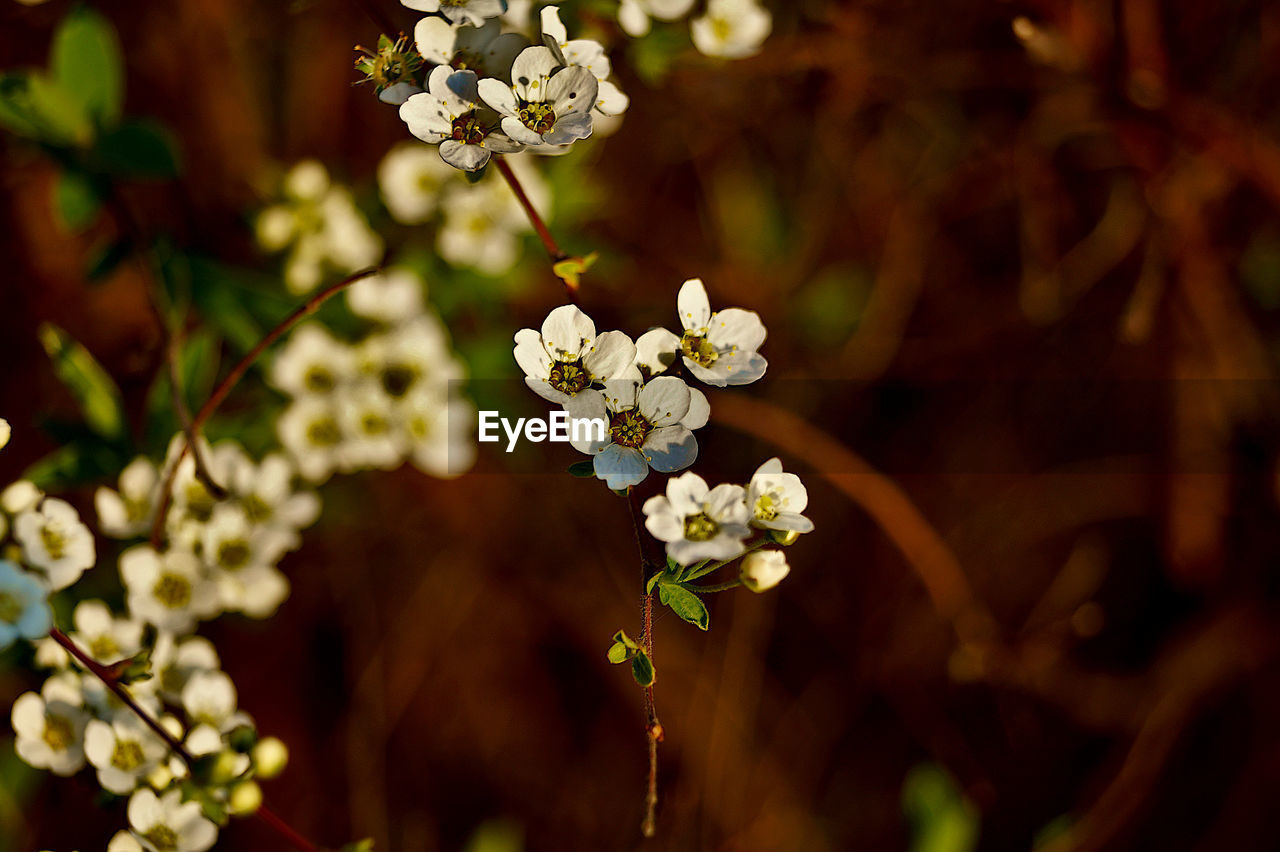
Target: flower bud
(764, 569)
(270, 756)
(245, 798)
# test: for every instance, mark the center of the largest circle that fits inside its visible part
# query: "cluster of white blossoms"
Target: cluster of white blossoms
(701, 524)
(479, 225)
(388, 397)
(320, 226)
(493, 92)
(731, 29)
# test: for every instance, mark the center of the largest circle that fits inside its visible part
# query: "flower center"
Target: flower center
(103, 648)
(538, 117)
(55, 543)
(467, 60)
(698, 349)
(127, 755)
(199, 501)
(136, 511)
(699, 527)
(11, 608)
(256, 509)
(722, 27)
(468, 130)
(59, 733)
(568, 377)
(766, 507)
(234, 554)
(172, 590)
(319, 379)
(374, 424)
(162, 837)
(629, 428)
(398, 378)
(324, 433)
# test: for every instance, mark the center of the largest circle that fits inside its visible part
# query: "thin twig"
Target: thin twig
(539, 226)
(233, 377)
(653, 728)
(718, 587)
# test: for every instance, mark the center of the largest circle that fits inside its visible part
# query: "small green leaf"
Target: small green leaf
(141, 148)
(618, 653)
(642, 669)
(582, 469)
(134, 669)
(570, 269)
(477, 175)
(941, 819)
(86, 60)
(106, 257)
(653, 581)
(34, 105)
(97, 394)
(622, 638)
(76, 199)
(685, 604)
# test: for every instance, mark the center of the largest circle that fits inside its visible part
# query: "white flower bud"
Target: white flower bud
(764, 569)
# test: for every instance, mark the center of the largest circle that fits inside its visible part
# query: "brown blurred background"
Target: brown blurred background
(1020, 265)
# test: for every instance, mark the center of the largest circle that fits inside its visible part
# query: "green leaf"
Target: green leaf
(582, 469)
(621, 637)
(619, 653)
(139, 148)
(365, 845)
(76, 199)
(942, 820)
(684, 603)
(570, 269)
(642, 669)
(97, 394)
(34, 105)
(106, 257)
(86, 60)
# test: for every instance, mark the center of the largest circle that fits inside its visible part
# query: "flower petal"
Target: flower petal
(735, 327)
(670, 448)
(610, 354)
(620, 467)
(693, 305)
(567, 332)
(664, 400)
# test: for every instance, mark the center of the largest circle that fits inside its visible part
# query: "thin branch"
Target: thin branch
(718, 587)
(232, 378)
(539, 226)
(111, 682)
(653, 728)
(716, 566)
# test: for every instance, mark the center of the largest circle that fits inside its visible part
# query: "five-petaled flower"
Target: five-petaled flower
(698, 522)
(719, 347)
(547, 103)
(567, 357)
(450, 114)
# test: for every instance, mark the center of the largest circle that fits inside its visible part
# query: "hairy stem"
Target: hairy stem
(653, 728)
(231, 379)
(539, 226)
(111, 682)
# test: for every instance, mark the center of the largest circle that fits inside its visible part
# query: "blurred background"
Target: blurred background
(1020, 267)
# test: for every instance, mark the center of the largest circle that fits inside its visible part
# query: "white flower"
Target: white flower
(20, 496)
(645, 428)
(475, 233)
(24, 606)
(167, 824)
(174, 662)
(776, 499)
(128, 512)
(168, 590)
(50, 728)
(460, 11)
(243, 557)
(312, 362)
(548, 103)
(210, 699)
(412, 178)
(656, 350)
(585, 53)
(103, 636)
(719, 348)
(55, 541)
(123, 752)
(123, 841)
(696, 522)
(732, 29)
(265, 492)
(440, 429)
(6, 432)
(485, 49)
(567, 357)
(371, 439)
(450, 114)
(763, 569)
(309, 430)
(634, 15)
(408, 357)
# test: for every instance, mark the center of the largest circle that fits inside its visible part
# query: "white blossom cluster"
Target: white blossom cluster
(731, 29)
(494, 92)
(651, 413)
(388, 397)
(480, 225)
(319, 225)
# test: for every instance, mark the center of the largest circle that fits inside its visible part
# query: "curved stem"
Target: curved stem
(718, 587)
(232, 378)
(111, 682)
(716, 566)
(539, 226)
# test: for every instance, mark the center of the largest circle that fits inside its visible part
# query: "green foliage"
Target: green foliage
(138, 148)
(941, 819)
(652, 56)
(571, 269)
(197, 370)
(87, 61)
(76, 199)
(97, 394)
(684, 603)
(583, 469)
(106, 258)
(498, 835)
(625, 649)
(830, 305)
(35, 106)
